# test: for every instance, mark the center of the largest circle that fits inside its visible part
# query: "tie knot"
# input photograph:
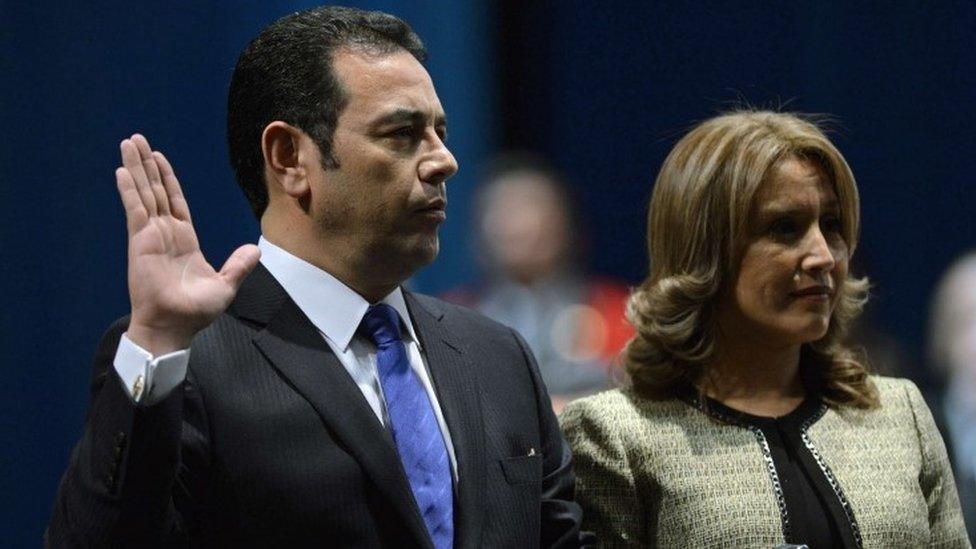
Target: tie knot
(381, 324)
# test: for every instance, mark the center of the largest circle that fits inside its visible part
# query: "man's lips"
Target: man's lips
(436, 209)
(435, 204)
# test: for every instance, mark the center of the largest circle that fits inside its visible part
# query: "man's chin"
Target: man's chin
(429, 253)
(419, 256)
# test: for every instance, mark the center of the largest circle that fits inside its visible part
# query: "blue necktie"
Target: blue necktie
(413, 423)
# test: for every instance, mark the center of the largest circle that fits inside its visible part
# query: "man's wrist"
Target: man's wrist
(158, 341)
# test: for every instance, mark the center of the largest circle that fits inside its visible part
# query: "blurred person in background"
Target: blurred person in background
(952, 350)
(749, 421)
(528, 231)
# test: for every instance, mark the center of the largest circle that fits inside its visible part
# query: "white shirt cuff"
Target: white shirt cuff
(149, 380)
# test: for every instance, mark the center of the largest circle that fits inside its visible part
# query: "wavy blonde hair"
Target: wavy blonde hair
(696, 233)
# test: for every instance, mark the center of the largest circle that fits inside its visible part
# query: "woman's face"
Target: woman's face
(793, 262)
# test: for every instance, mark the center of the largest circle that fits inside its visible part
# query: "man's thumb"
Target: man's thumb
(240, 263)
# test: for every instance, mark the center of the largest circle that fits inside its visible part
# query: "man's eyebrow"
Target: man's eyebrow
(411, 116)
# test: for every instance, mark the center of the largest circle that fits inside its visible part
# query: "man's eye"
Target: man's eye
(442, 134)
(404, 132)
(404, 138)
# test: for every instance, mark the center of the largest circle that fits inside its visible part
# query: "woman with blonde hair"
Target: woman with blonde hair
(748, 421)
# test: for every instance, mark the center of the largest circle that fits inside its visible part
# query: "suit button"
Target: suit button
(119, 438)
(118, 452)
(110, 480)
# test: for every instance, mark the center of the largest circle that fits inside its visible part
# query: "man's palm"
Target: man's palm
(174, 292)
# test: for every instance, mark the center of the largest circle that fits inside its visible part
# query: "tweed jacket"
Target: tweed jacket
(673, 474)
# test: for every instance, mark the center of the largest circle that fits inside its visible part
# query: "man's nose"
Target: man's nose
(438, 165)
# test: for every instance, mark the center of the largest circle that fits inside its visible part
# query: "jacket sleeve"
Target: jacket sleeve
(561, 515)
(121, 486)
(946, 525)
(606, 486)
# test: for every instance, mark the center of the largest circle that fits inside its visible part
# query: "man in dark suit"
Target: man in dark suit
(308, 399)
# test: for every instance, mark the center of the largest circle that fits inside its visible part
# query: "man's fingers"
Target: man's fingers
(132, 163)
(135, 211)
(177, 203)
(240, 263)
(152, 173)
(127, 190)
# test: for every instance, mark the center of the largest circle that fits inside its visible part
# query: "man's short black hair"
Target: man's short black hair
(286, 74)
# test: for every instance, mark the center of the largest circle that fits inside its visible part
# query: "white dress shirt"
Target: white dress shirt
(334, 309)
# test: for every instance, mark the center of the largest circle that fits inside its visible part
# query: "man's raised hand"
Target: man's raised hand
(174, 292)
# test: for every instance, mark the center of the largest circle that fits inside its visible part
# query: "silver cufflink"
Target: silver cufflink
(137, 387)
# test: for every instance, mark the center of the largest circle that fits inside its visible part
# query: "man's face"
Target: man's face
(381, 207)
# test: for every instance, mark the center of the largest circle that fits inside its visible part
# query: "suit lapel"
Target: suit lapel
(296, 349)
(456, 383)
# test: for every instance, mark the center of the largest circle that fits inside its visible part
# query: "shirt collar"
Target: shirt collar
(334, 308)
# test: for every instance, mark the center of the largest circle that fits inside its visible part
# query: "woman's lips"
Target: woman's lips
(815, 293)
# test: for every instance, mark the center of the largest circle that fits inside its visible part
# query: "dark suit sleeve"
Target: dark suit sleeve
(561, 515)
(118, 489)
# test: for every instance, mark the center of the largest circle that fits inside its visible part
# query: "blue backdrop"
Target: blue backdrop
(604, 89)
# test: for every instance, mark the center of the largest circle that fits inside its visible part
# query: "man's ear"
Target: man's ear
(281, 144)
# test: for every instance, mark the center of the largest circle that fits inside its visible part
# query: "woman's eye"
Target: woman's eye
(783, 228)
(831, 224)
